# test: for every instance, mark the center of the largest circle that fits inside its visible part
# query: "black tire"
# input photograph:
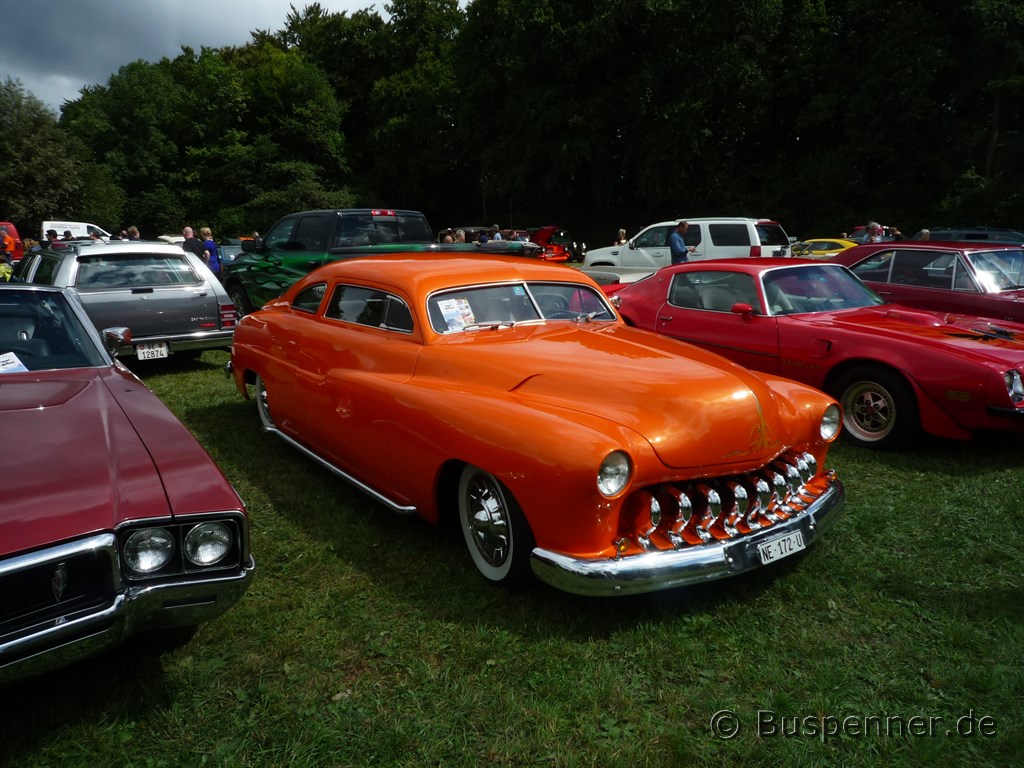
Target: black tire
(243, 306)
(497, 535)
(263, 404)
(879, 407)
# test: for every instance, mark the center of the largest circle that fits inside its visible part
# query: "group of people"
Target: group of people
(205, 248)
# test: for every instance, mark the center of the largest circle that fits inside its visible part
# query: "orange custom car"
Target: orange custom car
(451, 385)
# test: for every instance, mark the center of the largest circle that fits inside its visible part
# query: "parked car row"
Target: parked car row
(444, 381)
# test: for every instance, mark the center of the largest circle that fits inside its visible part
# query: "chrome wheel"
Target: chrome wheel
(879, 409)
(263, 403)
(496, 534)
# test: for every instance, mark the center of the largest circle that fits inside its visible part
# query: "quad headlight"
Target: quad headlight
(147, 550)
(831, 421)
(1014, 386)
(208, 543)
(614, 474)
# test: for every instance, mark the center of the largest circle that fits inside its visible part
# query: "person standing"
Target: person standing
(677, 246)
(133, 233)
(621, 239)
(193, 244)
(6, 246)
(495, 234)
(210, 249)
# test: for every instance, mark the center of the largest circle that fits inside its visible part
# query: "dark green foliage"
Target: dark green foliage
(593, 115)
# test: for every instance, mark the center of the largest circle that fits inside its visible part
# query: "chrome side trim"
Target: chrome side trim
(377, 496)
(665, 569)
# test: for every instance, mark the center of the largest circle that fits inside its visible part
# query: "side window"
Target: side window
(311, 234)
(875, 267)
(414, 229)
(683, 291)
(693, 234)
(926, 269)
(281, 234)
(655, 237)
(368, 306)
(46, 271)
(397, 316)
(729, 234)
(309, 299)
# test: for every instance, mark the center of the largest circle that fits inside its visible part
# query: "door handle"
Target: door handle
(665, 318)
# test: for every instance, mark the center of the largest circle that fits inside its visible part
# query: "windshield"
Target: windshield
(40, 331)
(999, 270)
(816, 288)
(491, 306)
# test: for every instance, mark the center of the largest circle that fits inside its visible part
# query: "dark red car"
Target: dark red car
(893, 369)
(974, 278)
(113, 520)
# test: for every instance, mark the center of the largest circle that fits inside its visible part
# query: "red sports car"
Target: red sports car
(893, 369)
(984, 279)
(113, 519)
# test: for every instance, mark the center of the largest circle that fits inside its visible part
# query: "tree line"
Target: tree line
(591, 114)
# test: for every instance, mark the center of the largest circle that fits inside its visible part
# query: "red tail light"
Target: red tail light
(755, 251)
(228, 316)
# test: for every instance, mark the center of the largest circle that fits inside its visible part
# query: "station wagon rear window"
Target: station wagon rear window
(132, 270)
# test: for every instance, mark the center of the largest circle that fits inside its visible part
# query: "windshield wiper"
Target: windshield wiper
(491, 326)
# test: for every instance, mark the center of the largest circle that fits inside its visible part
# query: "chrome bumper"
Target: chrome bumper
(133, 609)
(665, 569)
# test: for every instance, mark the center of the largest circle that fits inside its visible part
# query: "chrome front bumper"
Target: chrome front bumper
(665, 569)
(133, 609)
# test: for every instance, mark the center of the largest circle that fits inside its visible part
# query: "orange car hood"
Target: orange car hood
(693, 407)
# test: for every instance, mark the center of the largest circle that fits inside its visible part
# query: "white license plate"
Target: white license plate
(783, 546)
(150, 350)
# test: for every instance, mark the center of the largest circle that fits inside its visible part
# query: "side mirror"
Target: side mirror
(115, 338)
(742, 308)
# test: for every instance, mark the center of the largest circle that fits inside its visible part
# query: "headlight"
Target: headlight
(207, 543)
(148, 549)
(1014, 386)
(614, 473)
(831, 420)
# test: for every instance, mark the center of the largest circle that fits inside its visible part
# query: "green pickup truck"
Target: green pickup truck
(300, 242)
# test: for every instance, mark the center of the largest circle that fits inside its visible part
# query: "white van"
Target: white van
(711, 237)
(78, 229)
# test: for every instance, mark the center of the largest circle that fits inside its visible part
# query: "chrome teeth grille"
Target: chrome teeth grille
(686, 514)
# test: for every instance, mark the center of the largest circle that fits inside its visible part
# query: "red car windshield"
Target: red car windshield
(815, 288)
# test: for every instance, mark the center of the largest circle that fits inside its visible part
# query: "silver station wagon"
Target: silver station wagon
(169, 299)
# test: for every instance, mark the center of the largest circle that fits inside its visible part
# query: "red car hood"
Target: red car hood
(976, 337)
(695, 408)
(86, 449)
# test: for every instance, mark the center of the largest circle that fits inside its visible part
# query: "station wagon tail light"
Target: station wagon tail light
(755, 251)
(831, 420)
(228, 316)
(1014, 386)
(147, 550)
(614, 474)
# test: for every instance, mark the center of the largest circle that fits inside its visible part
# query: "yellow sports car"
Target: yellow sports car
(821, 248)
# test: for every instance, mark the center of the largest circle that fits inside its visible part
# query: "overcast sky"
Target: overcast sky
(56, 47)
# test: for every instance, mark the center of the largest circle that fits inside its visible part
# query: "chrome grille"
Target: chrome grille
(692, 513)
(54, 590)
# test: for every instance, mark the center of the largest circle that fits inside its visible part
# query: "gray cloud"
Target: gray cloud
(57, 47)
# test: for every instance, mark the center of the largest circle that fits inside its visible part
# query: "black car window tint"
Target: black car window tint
(281, 234)
(925, 269)
(46, 272)
(397, 316)
(729, 234)
(311, 234)
(355, 304)
(683, 292)
(309, 298)
(772, 234)
(413, 229)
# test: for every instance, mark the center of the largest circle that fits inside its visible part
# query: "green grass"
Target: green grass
(368, 639)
